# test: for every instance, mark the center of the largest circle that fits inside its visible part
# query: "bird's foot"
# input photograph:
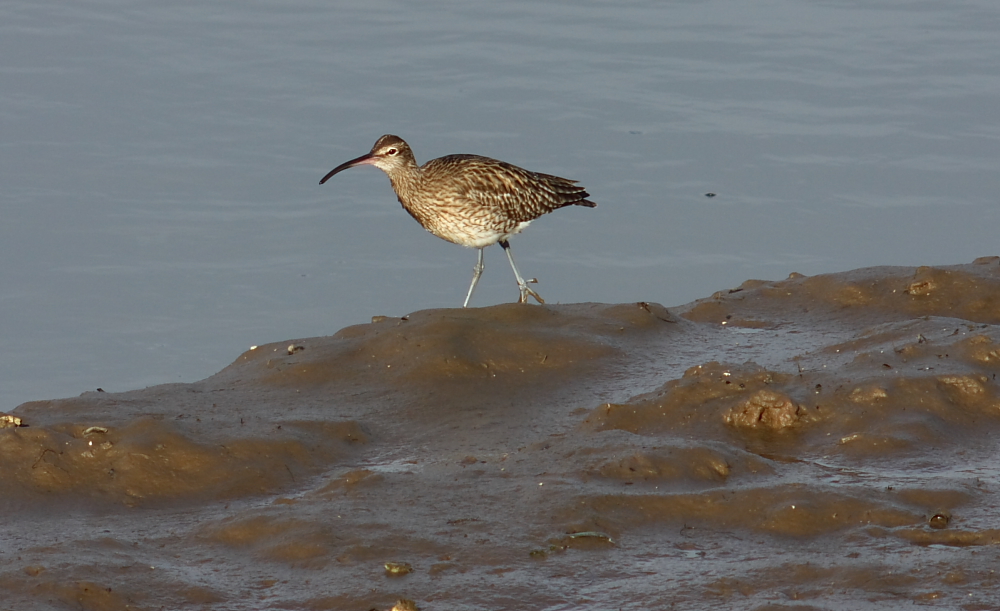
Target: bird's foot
(526, 290)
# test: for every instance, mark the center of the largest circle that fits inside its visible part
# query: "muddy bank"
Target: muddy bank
(822, 442)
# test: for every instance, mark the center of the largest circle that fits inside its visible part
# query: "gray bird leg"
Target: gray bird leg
(522, 284)
(477, 271)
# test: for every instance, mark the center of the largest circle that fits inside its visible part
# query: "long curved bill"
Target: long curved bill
(366, 159)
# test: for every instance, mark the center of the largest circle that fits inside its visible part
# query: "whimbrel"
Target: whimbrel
(470, 200)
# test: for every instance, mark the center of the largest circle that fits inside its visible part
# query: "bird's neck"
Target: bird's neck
(405, 180)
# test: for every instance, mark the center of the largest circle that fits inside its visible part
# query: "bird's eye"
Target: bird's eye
(391, 152)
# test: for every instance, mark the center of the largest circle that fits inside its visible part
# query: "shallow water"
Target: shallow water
(161, 212)
(824, 442)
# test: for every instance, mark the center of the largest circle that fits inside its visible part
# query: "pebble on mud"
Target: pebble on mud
(940, 519)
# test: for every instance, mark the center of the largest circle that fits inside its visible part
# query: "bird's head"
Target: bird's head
(389, 154)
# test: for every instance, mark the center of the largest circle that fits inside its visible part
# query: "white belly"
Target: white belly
(473, 236)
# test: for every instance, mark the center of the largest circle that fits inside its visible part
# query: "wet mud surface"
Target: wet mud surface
(823, 442)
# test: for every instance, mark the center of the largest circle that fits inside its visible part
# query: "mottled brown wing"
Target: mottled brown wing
(513, 193)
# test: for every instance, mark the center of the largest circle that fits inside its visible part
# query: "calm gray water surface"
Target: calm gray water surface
(159, 162)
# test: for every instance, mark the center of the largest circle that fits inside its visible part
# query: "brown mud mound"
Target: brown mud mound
(150, 459)
(967, 292)
(820, 443)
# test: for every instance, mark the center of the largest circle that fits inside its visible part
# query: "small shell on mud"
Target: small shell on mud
(921, 287)
(395, 569)
(7, 421)
(582, 540)
(403, 604)
(592, 534)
